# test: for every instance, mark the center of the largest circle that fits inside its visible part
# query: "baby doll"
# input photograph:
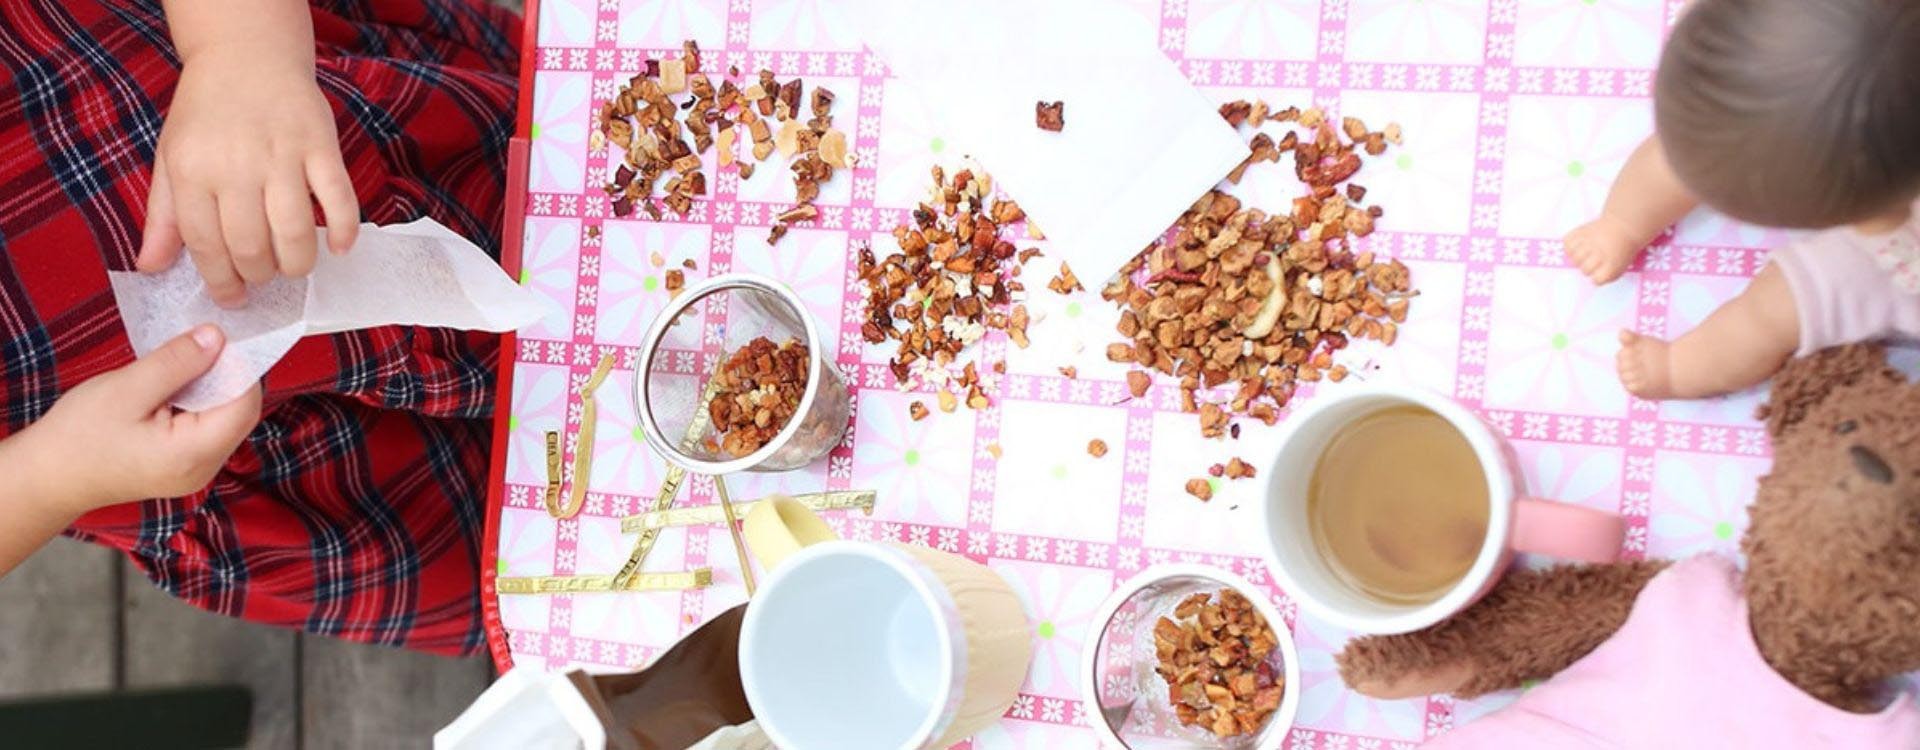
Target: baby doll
(1799, 651)
(1782, 113)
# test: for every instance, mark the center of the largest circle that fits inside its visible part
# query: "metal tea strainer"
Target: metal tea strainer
(731, 310)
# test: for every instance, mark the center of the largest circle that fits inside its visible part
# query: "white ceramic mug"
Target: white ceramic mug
(856, 645)
(1515, 522)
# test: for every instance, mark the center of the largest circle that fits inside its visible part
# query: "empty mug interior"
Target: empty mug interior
(1303, 566)
(847, 646)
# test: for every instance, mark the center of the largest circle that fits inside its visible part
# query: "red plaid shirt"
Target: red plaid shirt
(354, 509)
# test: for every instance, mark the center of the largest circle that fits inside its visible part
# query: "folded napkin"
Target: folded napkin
(1140, 143)
(419, 273)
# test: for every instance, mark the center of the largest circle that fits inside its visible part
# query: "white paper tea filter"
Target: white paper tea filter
(420, 273)
(1140, 142)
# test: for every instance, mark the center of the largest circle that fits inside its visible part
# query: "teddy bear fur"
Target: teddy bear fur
(1833, 561)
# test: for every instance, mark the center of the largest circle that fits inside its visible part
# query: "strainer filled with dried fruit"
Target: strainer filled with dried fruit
(772, 401)
(1190, 656)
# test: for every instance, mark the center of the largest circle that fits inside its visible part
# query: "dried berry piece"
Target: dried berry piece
(917, 410)
(1050, 116)
(1065, 282)
(1200, 488)
(1097, 448)
(1138, 382)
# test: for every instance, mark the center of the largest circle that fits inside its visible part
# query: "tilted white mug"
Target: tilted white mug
(857, 645)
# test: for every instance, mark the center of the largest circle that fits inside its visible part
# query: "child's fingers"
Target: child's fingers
(243, 221)
(200, 227)
(160, 239)
(146, 384)
(216, 431)
(290, 215)
(333, 189)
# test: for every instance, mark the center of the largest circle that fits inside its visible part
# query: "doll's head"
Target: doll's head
(1834, 546)
(1794, 113)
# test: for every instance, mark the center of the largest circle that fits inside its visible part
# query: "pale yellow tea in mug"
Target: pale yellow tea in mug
(1398, 505)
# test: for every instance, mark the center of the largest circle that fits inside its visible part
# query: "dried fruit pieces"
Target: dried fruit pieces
(756, 391)
(1050, 116)
(1097, 448)
(1200, 488)
(1252, 303)
(1216, 656)
(651, 130)
(951, 281)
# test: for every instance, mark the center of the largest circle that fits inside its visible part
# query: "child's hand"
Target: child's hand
(248, 139)
(114, 439)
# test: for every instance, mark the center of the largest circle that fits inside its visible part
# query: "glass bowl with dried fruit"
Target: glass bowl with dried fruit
(1190, 656)
(758, 392)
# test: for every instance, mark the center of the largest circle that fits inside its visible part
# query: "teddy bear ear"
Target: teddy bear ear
(1807, 381)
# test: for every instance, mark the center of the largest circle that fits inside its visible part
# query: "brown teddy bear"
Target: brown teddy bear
(1799, 651)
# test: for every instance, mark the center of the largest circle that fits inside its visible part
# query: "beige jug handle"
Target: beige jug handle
(779, 526)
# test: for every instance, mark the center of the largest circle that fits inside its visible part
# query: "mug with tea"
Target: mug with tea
(1390, 508)
(857, 645)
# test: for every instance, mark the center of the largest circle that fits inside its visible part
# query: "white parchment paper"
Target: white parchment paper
(420, 273)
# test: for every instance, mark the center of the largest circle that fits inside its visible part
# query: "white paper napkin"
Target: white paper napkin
(420, 273)
(1140, 142)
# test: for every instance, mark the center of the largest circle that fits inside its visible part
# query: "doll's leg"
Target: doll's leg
(1739, 346)
(1533, 624)
(1645, 199)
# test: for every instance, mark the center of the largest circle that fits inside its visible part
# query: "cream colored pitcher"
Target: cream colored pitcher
(850, 645)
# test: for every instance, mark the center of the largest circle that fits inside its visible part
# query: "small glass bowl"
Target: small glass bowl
(1126, 700)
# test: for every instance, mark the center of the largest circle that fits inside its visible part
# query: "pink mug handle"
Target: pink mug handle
(1565, 531)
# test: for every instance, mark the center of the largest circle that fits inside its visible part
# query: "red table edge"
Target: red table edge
(512, 235)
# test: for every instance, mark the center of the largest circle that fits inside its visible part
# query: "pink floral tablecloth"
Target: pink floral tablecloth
(1517, 114)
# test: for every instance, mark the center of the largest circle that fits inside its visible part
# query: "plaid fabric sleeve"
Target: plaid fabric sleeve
(354, 508)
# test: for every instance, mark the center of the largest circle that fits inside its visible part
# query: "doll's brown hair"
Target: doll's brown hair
(1795, 113)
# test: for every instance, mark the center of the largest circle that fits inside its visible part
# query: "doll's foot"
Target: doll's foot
(1645, 365)
(1602, 248)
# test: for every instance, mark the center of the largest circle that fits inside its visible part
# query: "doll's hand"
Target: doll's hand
(114, 439)
(247, 140)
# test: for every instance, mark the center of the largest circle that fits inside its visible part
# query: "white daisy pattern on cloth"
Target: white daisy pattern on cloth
(812, 263)
(1562, 157)
(656, 24)
(1256, 29)
(539, 406)
(1326, 701)
(649, 618)
(565, 23)
(633, 291)
(1555, 336)
(804, 24)
(548, 262)
(623, 462)
(1428, 351)
(921, 467)
(526, 549)
(1579, 475)
(1417, 182)
(559, 132)
(1450, 32)
(1060, 601)
(1590, 33)
(1700, 503)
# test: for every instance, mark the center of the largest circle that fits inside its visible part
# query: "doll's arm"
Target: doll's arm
(1533, 624)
